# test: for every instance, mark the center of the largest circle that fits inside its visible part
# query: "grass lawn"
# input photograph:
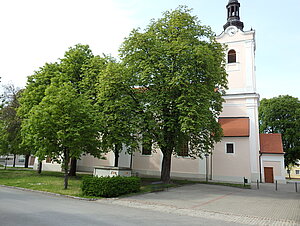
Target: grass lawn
(150, 185)
(47, 181)
(54, 182)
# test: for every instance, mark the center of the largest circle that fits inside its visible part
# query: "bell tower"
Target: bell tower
(233, 15)
(241, 98)
(240, 53)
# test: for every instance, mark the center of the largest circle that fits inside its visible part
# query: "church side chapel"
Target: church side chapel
(243, 154)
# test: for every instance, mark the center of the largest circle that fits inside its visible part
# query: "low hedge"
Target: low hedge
(110, 186)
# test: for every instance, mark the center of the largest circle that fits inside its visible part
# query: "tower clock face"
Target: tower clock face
(231, 30)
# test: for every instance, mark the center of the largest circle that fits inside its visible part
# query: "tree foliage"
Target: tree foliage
(282, 115)
(63, 125)
(91, 72)
(36, 86)
(118, 110)
(70, 73)
(10, 125)
(32, 95)
(179, 67)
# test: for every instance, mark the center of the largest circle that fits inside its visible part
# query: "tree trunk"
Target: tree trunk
(166, 167)
(26, 161)
(116, 158)
(117, 151)
(6, 162)
(40, 167)
(66, 167)
(14, 162)
(72, 171)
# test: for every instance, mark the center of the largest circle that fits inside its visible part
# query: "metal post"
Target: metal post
(211, 166)
(296, 187)
(257, 184)
(206, 165)
(244, 181)
(276, 185)
(260, 177)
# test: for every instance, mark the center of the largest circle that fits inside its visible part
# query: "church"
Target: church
(243, 154)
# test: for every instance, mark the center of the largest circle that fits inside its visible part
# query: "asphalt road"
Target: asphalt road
(30, 208)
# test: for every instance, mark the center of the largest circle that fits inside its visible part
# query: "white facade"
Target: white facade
(277, 163)
(241, 97)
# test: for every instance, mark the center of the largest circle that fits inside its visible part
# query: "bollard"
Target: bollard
(296, 187)
(276, 185)
(257, 184)
(245, 181)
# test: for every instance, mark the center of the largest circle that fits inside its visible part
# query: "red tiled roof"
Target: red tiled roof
(235, 127)
(271, 143)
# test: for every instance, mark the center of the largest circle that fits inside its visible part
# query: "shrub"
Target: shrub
(110, 186)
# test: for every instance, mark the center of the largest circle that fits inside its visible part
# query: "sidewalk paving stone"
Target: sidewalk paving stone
(245, 206)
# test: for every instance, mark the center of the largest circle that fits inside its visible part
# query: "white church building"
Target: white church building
(243, 153)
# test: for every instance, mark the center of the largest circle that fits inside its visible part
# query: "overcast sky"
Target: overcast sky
(33, 32)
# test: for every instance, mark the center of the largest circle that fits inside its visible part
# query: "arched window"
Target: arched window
(231, 56)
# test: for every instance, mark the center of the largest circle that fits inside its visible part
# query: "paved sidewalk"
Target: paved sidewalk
(244, 206)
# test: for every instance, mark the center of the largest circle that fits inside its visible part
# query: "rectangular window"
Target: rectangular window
(146, 148)
(297, 171)
(21, 158)
(184, 150)
(229, 148)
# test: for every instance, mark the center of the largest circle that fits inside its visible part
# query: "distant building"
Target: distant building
(8, 160)
(294, 172)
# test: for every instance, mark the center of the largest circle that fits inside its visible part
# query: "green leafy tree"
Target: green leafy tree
(32, 95)
(118, 110)
(73, 63)
(282, 115)
(10, 123)
(75, 67)
(63, 125)
(90, 74)
(4, 148)
(36, 86)
(179, 69)
(72, 68)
